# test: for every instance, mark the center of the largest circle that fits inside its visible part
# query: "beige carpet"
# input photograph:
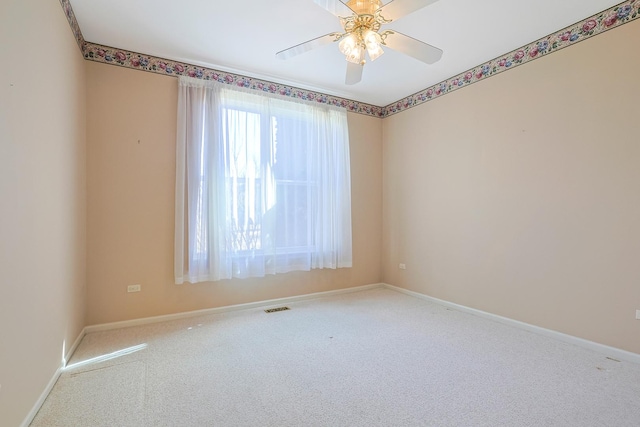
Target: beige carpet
(371, 358)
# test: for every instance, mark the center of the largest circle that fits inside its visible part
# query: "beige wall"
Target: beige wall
(42, 200)
(131, 180)
(520, 195)
(516, 196)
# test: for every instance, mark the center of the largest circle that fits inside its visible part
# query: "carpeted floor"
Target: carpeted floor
(371, 358)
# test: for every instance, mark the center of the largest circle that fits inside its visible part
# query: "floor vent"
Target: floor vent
(273, 310)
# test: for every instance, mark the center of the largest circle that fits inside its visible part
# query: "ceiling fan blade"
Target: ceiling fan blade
(306, 46)
(354, 73)
(396, 9)
(337, 7)
(409, 46)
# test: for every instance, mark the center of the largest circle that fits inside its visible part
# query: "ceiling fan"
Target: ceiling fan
(361, 21)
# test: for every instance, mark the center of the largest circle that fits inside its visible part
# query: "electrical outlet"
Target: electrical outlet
(134, 288)
(402, 266)
(638, 314)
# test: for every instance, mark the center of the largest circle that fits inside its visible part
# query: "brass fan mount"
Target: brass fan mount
(367, 16)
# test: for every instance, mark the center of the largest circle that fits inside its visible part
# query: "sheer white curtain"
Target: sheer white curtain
(263, 184)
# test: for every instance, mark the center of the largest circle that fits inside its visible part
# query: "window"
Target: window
(262, 185)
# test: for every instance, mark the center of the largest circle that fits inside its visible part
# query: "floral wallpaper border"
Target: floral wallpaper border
(73, 22)
(615, 16)
(594, 25)
(125, 58)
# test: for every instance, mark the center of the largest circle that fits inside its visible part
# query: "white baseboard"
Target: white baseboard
(225, 309)
(43, 396)
(52, 382)
(606, 350)
(73, 347)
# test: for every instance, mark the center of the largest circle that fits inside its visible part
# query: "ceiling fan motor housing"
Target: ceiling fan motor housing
(364, 7)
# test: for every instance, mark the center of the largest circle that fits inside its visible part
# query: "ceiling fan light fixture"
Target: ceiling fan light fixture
(372, 41)
(352, 48)
(347, 44)
(375, 53)
(356, 55)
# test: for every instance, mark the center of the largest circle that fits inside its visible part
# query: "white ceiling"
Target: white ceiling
(243, 37)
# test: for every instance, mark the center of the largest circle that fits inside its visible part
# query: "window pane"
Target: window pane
(244, 186)
(291, 149)
(293, 221)
(291, 172)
